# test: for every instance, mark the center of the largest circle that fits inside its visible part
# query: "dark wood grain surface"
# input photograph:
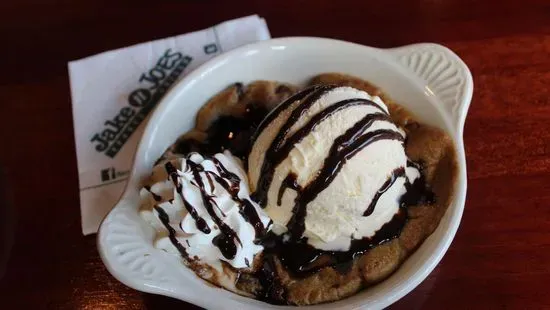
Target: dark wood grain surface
(501, 255)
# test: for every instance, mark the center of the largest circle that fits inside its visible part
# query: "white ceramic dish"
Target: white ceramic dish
(428, 79)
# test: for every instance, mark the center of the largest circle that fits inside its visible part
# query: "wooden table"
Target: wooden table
(501, 255)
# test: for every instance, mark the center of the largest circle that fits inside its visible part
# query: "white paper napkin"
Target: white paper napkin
(111, 95)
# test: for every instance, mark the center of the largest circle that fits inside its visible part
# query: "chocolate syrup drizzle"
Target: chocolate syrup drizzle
(397, 173)
(281, 147)
(344, 148)
(295, 254)
(289, 182)
(280, 108)
(302, 259)
(199, 221)
(246, 209)
(163, 216)
(228, 239)
(156, 197)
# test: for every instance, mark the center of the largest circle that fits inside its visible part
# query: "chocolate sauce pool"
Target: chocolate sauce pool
(295, 254)
(227, 133)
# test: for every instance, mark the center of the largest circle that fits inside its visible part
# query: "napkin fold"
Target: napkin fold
(114, 92)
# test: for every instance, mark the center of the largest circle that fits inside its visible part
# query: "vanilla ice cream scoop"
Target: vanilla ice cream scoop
(328, 164)
(202, 209)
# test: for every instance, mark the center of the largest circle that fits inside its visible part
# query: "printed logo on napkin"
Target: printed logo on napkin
(114, 92)
(141, 101)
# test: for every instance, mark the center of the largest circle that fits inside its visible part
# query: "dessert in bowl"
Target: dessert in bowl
(300, 189)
